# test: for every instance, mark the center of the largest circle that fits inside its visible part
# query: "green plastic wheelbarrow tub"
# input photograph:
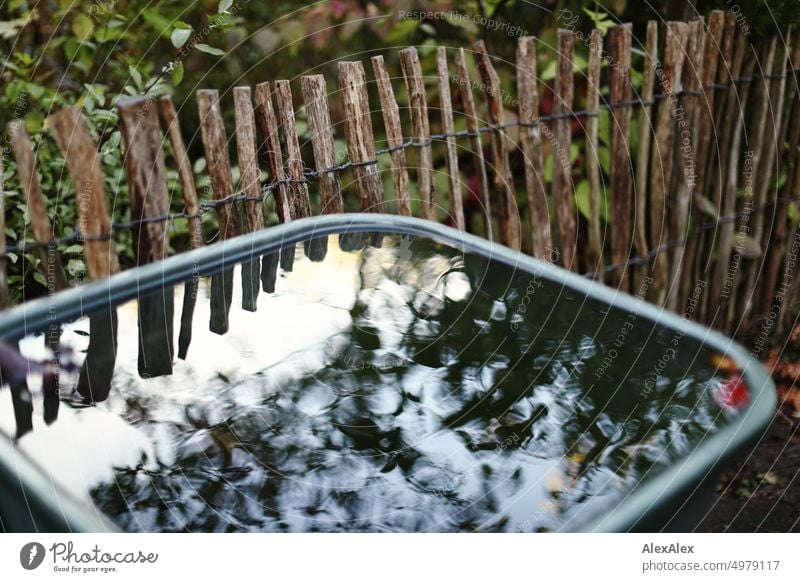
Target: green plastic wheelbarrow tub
(516, 396)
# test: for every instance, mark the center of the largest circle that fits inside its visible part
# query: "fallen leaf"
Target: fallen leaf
(723, 363)
(771, 478)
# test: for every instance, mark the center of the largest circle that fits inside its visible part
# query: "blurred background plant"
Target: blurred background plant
(63, 52)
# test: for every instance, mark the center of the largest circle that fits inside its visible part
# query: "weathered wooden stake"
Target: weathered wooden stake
(5, 297)
(169, 118)
(315, 98)
(663, 158)
(621, 163)
(446, 105)
(358, 134)
(686, 169)
(643, 157)
(415, 85)
(732, 125)
(394, 136)
(250, 185)
(563, 190)
(72, 136)
(510, 228)
(215, 144)
(271, 151)
(475, 142)
(531, 138)
(147, 185)
(51, 265)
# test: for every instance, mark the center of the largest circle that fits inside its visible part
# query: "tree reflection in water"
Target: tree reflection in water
(453, 394)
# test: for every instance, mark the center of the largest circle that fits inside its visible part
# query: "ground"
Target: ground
(761, 493)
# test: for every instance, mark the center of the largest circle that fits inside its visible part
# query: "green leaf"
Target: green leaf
(582, 199)
(177, 74)
(402, 31)
(179, 36)
(39, 278)
(82, 26)
(224, 6)
(204, 48)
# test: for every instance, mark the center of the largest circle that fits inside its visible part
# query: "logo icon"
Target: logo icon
(31, 555)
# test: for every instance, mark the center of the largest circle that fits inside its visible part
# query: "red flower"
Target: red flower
(732, 394)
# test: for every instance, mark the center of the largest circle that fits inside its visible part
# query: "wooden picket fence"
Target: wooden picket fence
(700, 216)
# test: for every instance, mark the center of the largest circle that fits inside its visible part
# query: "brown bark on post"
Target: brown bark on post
(299, 204)
(315, 97)
(723, 291)
(72, 135)
(169, 118)
(147, 185)
(446, 105)
(475, 142)
(394, 136)
(531, 138)
(417, 102)
(250, 186)
(83, 162)
(51, 265)
(621, 163)
(358, 134)
(662, 162)
(510, 229)
(5, 299)
(172, 126)
(267, 123)
(640, 193)
(563, 190)
(685, 171)
(215, 143)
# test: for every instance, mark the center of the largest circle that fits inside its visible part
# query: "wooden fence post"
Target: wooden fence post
(714, 172)
(594, 252)
(315, 98)
(394, 136)
(621, 163)
(358, 134)
(782, 261)
(20, 395)
(147, 185)
(215, 144)
(765, 233)
(685, 172)
(51, 265)
(722, 279)
(531, 138)
(417, 102)
(172, 127)
(475, 142)
(662, 161)
(643, 157)
(267, 123)
(446, 106)
(5, 297)
(250, 186)
(299, 204)
(510, 228)
(72, 136)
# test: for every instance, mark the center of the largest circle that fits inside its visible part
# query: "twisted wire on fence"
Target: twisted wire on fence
(309, 175)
